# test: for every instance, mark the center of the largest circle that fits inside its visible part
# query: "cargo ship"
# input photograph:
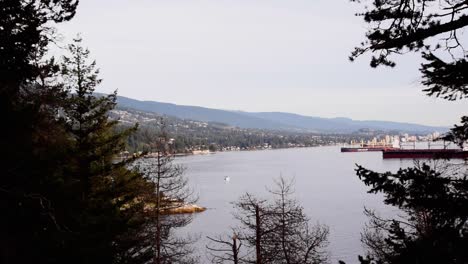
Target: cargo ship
(425, 154)
(365, 149)
(381, 146)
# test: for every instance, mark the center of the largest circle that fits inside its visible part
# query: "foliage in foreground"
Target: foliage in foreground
(271, 231)
(434, 228)
(171, 191)
(435, 200)
(63, 197)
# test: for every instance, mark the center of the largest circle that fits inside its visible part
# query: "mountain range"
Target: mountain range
(272, 120)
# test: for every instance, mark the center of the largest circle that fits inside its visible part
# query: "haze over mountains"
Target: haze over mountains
(271, 120)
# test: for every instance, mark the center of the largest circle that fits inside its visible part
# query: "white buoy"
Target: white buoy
(227, 179)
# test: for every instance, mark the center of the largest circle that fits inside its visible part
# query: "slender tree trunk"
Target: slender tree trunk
(157, 259)
(258, 233)
(283, 230)
(235, 253)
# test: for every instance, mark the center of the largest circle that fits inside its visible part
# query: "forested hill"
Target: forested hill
(190, 135)
(201, 114)
(271, 120)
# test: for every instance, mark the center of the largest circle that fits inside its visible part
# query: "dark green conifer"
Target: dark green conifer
(434, 228)
(32, 140)
(109, 198)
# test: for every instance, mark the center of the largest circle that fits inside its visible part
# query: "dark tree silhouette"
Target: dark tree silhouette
(397, 26)
(32, 142)
(428, 26)
(171, 191)
(296, 241)
(274, 231)
(104, 196)
(225, 249)
(434, 200)
(433, 227)
(252, 213)
(63, 197)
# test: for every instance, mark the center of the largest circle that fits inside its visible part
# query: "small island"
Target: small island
(185, 209)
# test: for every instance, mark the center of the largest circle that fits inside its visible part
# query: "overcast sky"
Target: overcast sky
(251, 55)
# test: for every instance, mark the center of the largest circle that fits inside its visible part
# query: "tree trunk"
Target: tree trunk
(235, 253)
(258, 235)
(157, 259)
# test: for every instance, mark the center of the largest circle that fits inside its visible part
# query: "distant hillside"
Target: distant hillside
(190, 135)
(201, 114)
(271, 120)
(341, 124)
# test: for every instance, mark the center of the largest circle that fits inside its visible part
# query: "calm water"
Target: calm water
(326, 186)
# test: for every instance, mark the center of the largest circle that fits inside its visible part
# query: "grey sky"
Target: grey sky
(252, 55)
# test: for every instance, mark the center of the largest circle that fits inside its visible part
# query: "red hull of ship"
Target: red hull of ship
(425, 154)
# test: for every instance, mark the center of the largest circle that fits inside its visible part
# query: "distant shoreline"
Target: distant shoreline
(248, 150)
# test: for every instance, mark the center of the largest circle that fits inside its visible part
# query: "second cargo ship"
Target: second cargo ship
(381, 146)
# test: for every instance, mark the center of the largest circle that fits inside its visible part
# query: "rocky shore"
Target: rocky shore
(186, 209)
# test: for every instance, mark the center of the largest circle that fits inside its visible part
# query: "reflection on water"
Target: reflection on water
(326, 186)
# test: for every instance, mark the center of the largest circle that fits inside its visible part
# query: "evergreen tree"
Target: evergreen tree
(33, 142)
(433, 226)
(435, 200)
(107, 199)
(64, 199)
(401, 26)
